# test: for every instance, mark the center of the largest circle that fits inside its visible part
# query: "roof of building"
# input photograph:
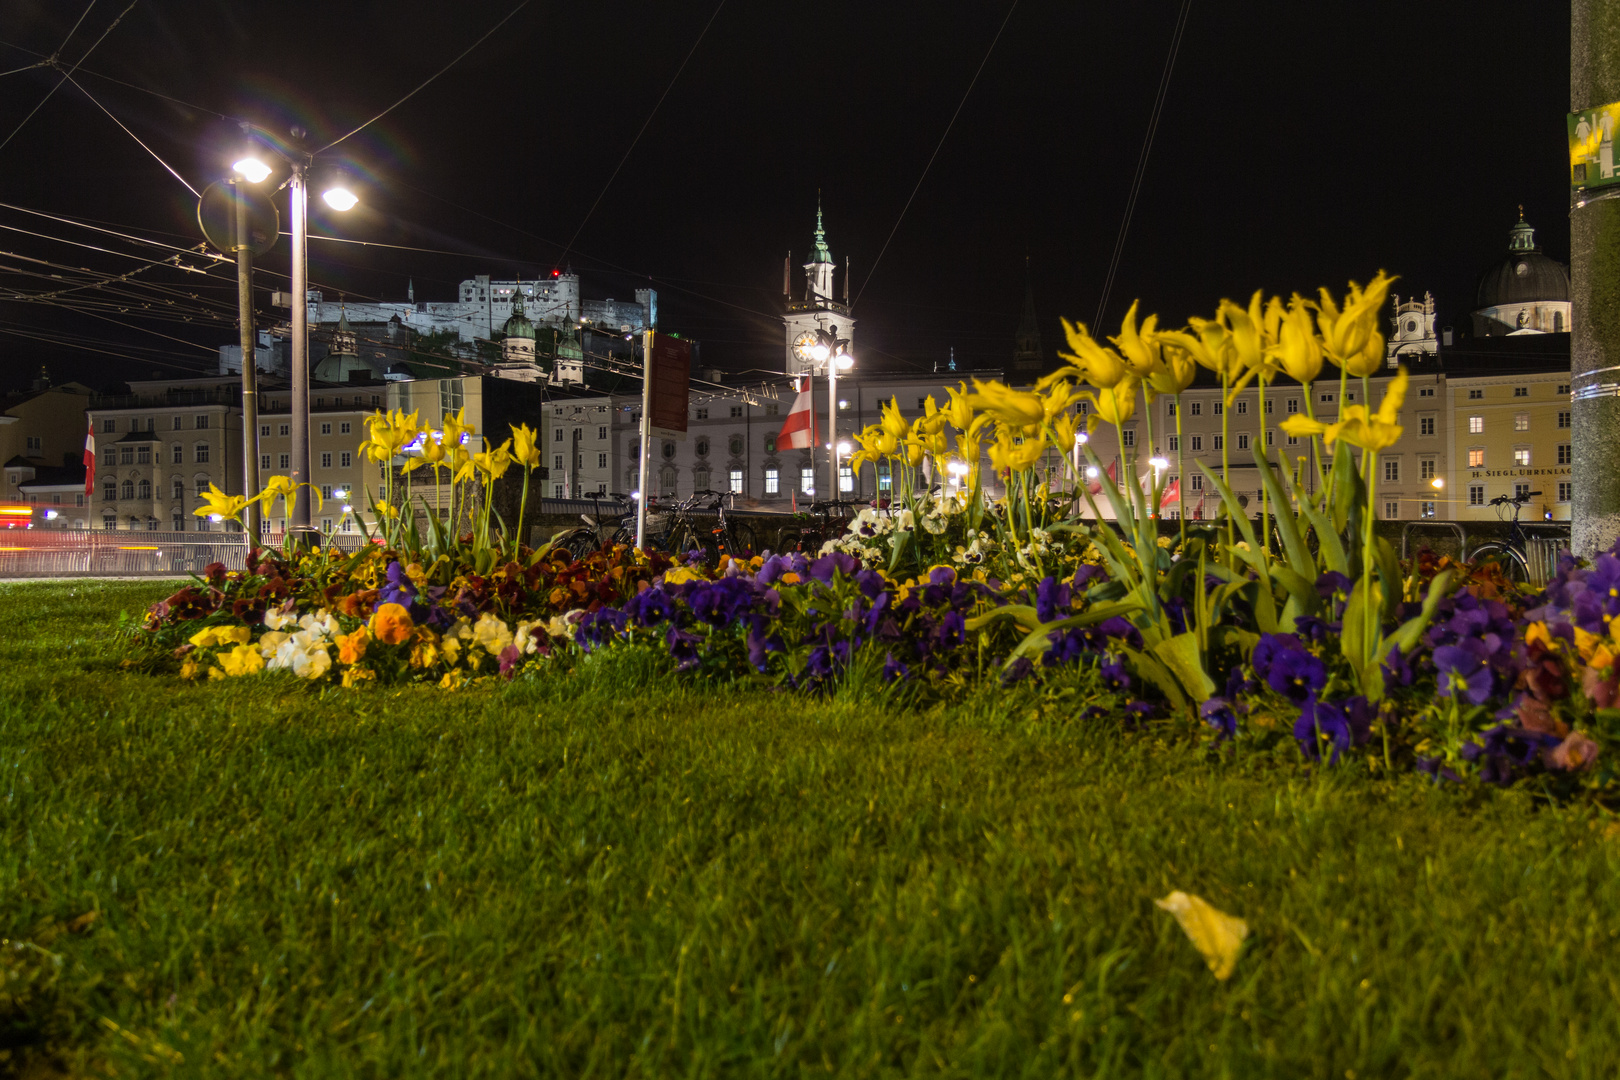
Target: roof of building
(518, 325)
(55, 476)
(1525, 276)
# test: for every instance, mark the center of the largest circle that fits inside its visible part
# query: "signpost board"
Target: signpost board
(666, 369)
(1593, 162)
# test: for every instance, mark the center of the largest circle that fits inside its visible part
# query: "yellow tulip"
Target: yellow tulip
(957, 410)
(494, 463)
(1018, 408)
(1112, 404)
(933, 421)
(387, 509)
(455, 426)
(1370, 360)
(894, 423)
(1245, 329)
(278, 487)
(1345, 331)
(1140, 349)
(217, 502)
(1063, 428)
(1099, 365)
(1177, 370)
(432, 453)
(1210, 346)
(1369, 430)
(1297, 351)
(525, 446)
(1009, 456)
(1060, 396)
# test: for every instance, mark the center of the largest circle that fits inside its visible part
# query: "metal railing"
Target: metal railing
(38, 553)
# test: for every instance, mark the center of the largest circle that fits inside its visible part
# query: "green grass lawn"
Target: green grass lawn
(606, 875)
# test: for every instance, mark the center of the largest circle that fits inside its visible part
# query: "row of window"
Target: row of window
(199, 422)
(1521, 422)
(772, 408)
(142, 455)
(344, 428)
(345, 459)
(1476, 492)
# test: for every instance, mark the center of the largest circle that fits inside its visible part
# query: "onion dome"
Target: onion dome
(518, 325)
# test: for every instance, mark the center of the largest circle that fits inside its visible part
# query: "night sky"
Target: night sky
(1300, 145)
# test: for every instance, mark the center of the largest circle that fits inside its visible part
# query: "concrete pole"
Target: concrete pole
(298, 198)
(1594, 249)
(832, 425)
(250, 395)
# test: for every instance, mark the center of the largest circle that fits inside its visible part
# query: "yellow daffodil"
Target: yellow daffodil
(216, 501)
(525, 446)
(1017, 408)
(1112, 404)
(1297, 350)
(1098, 365)
(1369, 430)
(1346, 331)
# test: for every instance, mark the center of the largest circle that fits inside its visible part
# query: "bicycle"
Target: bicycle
(821, 521)
(724, 536)
(596, 533)
(1511, 555)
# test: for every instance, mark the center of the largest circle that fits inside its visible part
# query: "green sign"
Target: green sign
(1593, 162)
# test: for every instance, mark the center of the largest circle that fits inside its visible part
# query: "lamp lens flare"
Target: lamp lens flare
(843, 448)
(252, 169)
(818, 351)
(845, 361)
(340, 198)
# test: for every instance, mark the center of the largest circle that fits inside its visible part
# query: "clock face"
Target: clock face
(802, 345)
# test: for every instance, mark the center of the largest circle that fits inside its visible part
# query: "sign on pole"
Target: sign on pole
(1592, 159)
(666, 369)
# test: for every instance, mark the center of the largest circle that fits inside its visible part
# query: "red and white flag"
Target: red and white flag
(90, 458)
(1094, 485)
(799, 429)
(1172, 493)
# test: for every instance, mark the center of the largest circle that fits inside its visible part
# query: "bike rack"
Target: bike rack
(1456, 527)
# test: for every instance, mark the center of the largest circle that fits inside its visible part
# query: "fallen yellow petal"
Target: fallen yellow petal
(1216, 934)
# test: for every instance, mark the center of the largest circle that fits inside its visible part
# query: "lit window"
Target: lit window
(773, 482)
(1476, 458)
(1521, 421)
(846, 478)
(1476, 425)
(807, 481)
(1521, 456)
(1426, 509)
(736, 476)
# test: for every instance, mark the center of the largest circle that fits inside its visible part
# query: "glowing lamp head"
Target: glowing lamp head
(843, 448)
(1081, 438)
(216, 518)
(1437, 483)
(340, 198)
(845, 361)
(818, 352)
(252, 168)
(1091, 472)
(1159, 462)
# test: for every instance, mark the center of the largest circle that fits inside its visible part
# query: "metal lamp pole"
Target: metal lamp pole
(298, 198)
(837, 355)
(250, 394)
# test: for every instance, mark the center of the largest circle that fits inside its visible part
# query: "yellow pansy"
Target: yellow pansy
(221, 635)
(242, 660)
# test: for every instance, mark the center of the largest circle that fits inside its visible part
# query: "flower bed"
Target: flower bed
(1305, 629)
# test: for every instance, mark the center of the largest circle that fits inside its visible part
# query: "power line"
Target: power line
(673, 80)
(521, 5)
(1142, 159)
(82, 59)
(935, 154)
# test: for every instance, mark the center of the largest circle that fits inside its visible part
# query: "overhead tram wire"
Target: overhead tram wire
(68, 76)
(521, 5)
(643, 130)
(946, 134)
(52, 91)
(1142, 159)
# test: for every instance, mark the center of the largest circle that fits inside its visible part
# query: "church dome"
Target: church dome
(1525, 276)
(518, 325)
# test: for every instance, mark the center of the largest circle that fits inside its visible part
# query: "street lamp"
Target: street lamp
(1437, 483)
(833, 352)
(250, 166)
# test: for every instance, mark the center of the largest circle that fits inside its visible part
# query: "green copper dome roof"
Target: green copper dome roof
(518, 325)
(821, 253)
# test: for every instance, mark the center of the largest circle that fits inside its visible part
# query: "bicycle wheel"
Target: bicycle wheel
(740, 541)
(1508, 559)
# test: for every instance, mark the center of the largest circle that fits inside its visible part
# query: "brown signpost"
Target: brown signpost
(666, 369)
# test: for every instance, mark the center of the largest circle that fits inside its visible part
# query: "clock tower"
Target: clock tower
(817, 307)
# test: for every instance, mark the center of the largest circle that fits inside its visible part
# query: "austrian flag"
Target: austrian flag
(799, 429)
(90, 459)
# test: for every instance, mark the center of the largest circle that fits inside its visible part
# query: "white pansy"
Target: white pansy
(492, 633)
